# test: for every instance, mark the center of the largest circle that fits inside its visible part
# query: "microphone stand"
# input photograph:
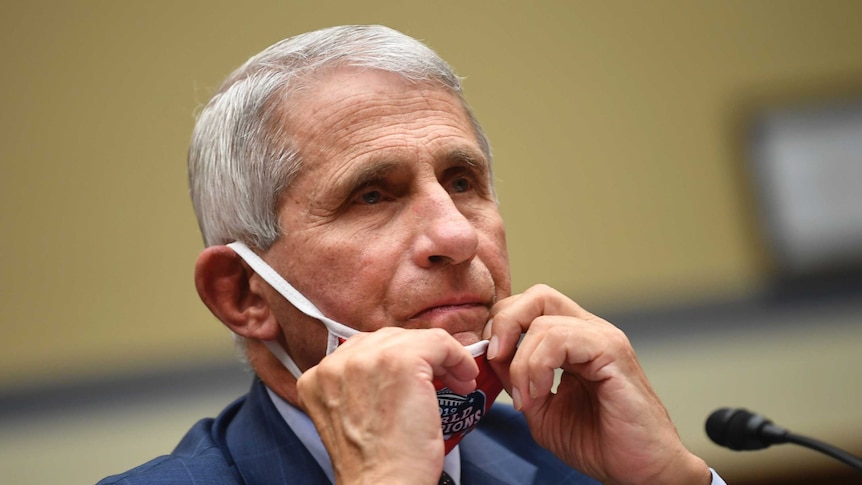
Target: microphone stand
(740, 429)
(826, 449)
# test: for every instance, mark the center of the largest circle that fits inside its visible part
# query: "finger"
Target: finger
(542, 300)
(585, 348)
(499, 365)
(541, 352)
(504, 334)
(452, 363)
(436, 354)
(501, 369)
(513, 316)
(500, 361)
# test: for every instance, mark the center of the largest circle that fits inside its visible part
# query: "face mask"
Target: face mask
(458, 414)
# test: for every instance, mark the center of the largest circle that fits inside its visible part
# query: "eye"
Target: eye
(372, 197)
(461, 185)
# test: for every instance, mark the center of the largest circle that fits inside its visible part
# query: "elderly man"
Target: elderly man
(355, 247)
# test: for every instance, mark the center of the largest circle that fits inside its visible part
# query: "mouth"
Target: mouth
(463, 318)
(434, 311)
(452, 303)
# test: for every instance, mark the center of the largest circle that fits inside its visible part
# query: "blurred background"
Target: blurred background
(690, 170)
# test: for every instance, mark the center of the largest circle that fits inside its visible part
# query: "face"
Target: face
(392, 220)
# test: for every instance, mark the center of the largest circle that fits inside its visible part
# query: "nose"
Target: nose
(446, 235)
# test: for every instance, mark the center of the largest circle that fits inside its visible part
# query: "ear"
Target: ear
(224, 283)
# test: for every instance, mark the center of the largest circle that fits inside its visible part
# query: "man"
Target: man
(355, 247)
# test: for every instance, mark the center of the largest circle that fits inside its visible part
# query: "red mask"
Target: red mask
(460, 414)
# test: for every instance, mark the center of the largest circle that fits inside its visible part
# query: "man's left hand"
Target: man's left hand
(604, 418)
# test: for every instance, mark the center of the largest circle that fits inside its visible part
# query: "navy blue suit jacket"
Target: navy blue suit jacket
(249, 443)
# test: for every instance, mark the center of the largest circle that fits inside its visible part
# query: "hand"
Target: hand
(374, 403)
(604, 419)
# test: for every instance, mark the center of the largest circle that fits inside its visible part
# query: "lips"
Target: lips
(457, 315)
(445, 308)
(451, 304)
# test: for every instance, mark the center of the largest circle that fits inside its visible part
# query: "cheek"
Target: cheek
(495, 254)
(501, 274)
(350, 281)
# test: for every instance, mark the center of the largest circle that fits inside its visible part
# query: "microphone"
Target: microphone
(740, 429)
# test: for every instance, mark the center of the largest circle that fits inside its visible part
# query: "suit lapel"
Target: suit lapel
(266, 451)
(483, 460)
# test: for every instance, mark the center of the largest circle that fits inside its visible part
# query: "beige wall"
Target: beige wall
(616, 128)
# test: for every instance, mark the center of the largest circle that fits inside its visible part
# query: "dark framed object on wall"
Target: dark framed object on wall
(806, 166)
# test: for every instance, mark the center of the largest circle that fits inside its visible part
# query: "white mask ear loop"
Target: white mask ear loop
(478, 348)
(282, 356)
(297, 299)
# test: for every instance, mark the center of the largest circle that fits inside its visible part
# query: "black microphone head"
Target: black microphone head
(739, 429)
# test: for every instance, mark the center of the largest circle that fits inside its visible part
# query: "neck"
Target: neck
(272, 372)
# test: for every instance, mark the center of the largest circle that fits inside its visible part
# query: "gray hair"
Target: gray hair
(242, 158)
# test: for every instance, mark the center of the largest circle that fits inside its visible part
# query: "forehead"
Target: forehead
(351, 114)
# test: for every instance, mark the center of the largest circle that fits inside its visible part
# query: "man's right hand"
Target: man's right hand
(374, 403)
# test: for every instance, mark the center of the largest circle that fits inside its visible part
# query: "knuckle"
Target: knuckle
(303, 385)
(539, 288)
(617, 338)
(536, 362)
(365, 363)
(380, 357)
(557, 332)
(389, 331)
(438, 334)
(327, 370)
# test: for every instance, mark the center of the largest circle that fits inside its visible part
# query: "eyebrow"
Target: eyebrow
(465, 156)
(366, 175)
(469, 158)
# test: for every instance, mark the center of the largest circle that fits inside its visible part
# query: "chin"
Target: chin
(466, 338)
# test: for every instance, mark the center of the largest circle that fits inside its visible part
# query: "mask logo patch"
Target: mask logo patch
(460, 414)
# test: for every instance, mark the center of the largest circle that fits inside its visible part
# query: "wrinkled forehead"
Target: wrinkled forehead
(335, 85)
(312, 78)
(352, 111)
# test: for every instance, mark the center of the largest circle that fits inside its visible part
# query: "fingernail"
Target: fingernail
(487, 330)
(533, 392)
(516, 398)
(493, 347)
